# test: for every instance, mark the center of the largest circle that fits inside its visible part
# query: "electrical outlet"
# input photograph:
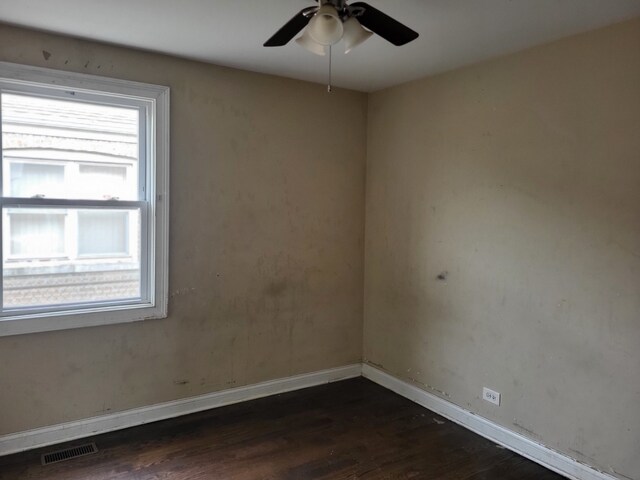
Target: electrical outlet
(491, 396)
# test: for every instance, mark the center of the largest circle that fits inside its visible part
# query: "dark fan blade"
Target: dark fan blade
(290, 29)
(385, 26)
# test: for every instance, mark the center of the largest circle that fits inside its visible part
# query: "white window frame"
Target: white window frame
(153, 101)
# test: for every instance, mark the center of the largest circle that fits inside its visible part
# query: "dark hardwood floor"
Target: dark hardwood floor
(344, 430)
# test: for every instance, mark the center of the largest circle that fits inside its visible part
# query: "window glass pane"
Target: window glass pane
(103, 181)
(36, 235)
(96, 146)
(34, 179)
(103, 232)
(58, 256)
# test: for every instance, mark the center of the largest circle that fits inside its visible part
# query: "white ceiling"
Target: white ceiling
(231, 32)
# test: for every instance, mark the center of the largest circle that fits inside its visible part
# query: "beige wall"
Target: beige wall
(520, 177)
(265, 244)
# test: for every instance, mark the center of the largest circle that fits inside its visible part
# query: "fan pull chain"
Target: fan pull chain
(329, 83)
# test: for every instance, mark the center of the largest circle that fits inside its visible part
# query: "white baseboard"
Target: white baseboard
(526, 447)
(64, 432)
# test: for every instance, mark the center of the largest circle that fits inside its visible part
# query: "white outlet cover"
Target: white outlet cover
(491, 395)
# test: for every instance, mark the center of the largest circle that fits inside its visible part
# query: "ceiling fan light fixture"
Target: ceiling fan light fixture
(326, 27)
(354, 34)
(307, 42)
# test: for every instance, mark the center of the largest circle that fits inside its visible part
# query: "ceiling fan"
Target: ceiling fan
(333, 20)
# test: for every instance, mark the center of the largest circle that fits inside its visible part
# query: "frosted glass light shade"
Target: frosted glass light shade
(354, 34)
(307, 42)
(325, 27)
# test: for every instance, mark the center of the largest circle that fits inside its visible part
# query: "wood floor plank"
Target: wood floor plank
(352, 429)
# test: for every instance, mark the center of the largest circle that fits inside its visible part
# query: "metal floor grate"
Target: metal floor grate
(68, 453)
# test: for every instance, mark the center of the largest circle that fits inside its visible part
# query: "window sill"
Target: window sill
(51, 321)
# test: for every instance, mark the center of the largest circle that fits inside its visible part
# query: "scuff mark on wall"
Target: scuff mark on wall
(434, 389)
(613, 470)
(276, 288)
(182, 291)
(46, 54)
(525, 429)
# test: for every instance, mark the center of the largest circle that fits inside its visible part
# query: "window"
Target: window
(84, 200)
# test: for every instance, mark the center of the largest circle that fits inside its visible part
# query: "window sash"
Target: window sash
(146, 272)
(145, 118)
